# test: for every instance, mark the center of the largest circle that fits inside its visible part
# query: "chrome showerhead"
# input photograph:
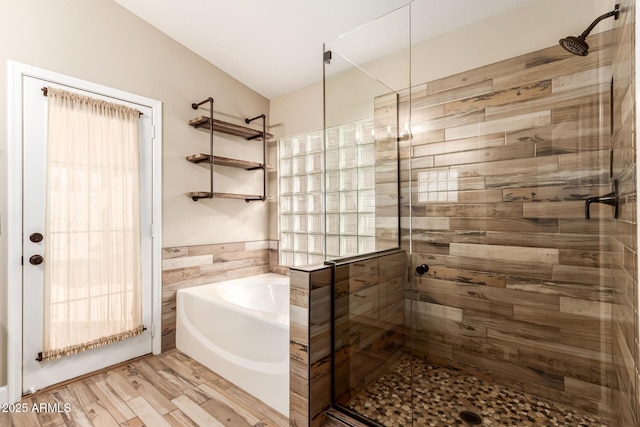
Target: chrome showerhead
(578, 45)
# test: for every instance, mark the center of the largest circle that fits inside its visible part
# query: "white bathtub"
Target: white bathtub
(240, 330)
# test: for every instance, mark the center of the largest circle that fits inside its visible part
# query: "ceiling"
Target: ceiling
(275, 46)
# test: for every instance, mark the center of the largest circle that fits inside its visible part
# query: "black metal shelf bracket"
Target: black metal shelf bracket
(195, 106)
(610, 199)
(263, 135)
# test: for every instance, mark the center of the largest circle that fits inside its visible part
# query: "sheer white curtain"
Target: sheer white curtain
(92, 268)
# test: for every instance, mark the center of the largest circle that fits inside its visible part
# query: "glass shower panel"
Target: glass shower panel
(369, 335)
(521, 309)
(366, 75)
(518, 297)
(364, 72)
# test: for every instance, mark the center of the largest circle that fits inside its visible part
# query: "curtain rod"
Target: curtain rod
(45, 92)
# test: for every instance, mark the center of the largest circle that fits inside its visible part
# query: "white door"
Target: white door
(37, 375)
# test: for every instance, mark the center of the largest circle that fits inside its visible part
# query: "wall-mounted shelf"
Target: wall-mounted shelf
(226, 161)
(202, 122)
(211, 160)
(195, 195)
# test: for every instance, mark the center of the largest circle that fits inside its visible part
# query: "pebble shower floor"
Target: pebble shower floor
(442, 394)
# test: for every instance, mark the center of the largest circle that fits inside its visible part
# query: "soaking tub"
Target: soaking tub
(240, 330)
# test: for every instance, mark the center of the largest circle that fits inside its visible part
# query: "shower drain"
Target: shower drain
(471, 418)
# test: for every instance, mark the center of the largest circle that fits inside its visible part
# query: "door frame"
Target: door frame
(15, 73)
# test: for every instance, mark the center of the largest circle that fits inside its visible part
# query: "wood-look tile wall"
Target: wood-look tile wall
(310, 345)
(626, 353)
(187, 266)
(521, 285)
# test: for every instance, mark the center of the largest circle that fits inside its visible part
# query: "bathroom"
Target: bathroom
(490, 267)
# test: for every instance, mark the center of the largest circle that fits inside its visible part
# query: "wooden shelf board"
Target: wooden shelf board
(202, 122)
(216, 195)
(203, 158)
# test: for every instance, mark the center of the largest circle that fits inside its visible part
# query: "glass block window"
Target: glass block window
(350, 194)
(327, 195)
(301, 196)
(438, 186)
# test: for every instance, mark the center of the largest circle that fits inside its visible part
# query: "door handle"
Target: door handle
(36, 237)
(36, 259)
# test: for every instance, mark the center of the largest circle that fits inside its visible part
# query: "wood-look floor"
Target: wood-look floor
(168, 390)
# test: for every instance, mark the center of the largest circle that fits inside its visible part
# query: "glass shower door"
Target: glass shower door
(518, 309)
(363, 144)
(512, 323)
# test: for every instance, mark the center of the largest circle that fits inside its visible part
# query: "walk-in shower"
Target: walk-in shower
(491, 299)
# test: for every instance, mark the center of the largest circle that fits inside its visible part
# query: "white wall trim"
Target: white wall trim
(4, 394)
(15, 73)
(14, 232)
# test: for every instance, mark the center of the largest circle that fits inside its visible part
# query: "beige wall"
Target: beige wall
(536, 25)
(292, 114)
(101, 42)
